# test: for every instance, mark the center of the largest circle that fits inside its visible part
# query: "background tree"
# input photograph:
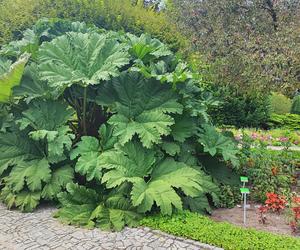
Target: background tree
(253, 45)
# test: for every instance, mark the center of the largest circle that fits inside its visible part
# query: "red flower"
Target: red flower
(275, 202)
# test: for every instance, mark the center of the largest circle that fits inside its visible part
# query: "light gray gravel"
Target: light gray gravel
(40, 231)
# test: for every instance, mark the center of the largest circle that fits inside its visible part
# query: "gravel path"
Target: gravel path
(278, 148)
(40, 231)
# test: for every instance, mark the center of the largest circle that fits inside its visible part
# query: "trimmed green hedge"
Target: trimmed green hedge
(17, 15)
(288, 121)
(220, 234)
(280, 104)
(296, 105)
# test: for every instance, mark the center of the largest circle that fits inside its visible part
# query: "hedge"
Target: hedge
(17, 15)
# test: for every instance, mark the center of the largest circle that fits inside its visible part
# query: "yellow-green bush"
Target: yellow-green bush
(17, 15)
(280, 104)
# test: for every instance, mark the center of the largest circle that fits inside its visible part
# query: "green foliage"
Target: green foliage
(88, 104)
(280, 104)
(220, 234)
(241, 52)
(287, 121)
(94, 58)
(86, 207)
(268, 171)
(10, 76)
(143, 107)
(215, 143)
(241, 109)
(109, 14)
(296, 105)
(229, 196)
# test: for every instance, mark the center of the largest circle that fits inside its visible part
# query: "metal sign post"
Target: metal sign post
(244, 192)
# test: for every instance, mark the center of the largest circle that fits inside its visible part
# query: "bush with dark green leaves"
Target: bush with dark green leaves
(296, 105)
(220, 234)
(240, 109)
(111, 125)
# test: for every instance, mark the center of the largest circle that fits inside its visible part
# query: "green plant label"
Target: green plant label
(244, 179)
(245, 190)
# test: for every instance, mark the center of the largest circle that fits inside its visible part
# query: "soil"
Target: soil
(275, 223)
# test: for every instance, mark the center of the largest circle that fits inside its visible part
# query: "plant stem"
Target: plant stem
(84, 110)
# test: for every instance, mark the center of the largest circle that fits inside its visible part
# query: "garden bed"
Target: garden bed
(275, 223)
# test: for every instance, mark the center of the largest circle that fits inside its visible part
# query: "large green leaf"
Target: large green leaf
(184, 127)
(215, 143)
(59, 179)
(128, 164)
(153, 182)
(115, 213)
(170, 148)
(44, 30)
(88, 150)
(26, 201)
(12, 77)
(78, 58)
(142, 107)
(85, 207)
(47, 121)
(33, 173)
(31, 87)
(166, 176)
(14, 148)
(46, 115)
(146, 48)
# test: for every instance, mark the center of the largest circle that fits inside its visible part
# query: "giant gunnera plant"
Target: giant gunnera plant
(109, 125)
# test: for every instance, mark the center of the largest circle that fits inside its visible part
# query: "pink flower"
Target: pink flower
(238, 137)
(283, 139)
(254, 136)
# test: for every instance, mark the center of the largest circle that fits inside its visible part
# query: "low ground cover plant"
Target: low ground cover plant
(111, 125)
(220, 234)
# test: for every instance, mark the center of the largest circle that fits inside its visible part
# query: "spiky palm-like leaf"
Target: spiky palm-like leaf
(84, 59)
(12, 77)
